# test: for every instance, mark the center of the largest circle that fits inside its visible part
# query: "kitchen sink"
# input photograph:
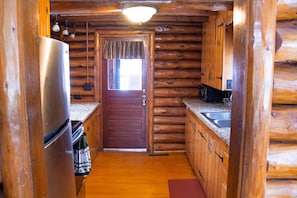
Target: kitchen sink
(219, 115)
(221, 119)
(222, 123)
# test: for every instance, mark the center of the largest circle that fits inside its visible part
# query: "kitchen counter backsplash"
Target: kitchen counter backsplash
(81, 111)
(197, 106)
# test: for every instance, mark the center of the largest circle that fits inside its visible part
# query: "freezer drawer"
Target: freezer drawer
(59, 165)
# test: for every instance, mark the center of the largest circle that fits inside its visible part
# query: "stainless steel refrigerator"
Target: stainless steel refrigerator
(55, 105)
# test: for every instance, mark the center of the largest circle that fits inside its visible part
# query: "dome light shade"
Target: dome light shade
(65, 32)
(56, 27)
(72, 35)
(139, 14)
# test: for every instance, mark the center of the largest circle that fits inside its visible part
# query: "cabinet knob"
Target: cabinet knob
(201, 134)
(200, 173)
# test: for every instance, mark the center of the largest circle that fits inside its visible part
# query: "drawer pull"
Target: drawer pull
(219, 156)
(201, 134)
(200, 174)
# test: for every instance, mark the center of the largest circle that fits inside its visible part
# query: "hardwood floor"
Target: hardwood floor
(117, 174)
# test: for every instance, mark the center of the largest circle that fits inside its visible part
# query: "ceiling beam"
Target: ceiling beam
(76, 8)
(142, 1)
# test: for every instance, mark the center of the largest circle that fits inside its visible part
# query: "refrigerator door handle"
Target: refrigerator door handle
(57, 135)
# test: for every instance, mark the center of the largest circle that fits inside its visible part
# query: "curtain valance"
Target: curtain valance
(115, 49)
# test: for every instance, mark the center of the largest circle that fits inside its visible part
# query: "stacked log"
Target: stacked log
(82, 63)
(282, 153)
(176, 75)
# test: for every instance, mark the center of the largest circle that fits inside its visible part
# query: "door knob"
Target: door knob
(143, 98)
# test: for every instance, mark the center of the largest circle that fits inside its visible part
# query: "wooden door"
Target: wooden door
(124, 103)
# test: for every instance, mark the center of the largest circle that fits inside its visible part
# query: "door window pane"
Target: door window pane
(125, 74)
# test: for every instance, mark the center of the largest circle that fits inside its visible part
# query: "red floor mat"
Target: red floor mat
(185, 188)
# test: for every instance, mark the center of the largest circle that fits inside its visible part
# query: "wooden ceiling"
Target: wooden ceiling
(109, 11)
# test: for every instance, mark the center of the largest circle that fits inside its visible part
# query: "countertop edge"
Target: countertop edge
(197, 106)
(82, 111)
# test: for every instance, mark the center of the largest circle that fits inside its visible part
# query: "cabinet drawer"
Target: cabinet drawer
(92, 135)
(89, 123)
(226, 160)
(224, 176)
(224, 191)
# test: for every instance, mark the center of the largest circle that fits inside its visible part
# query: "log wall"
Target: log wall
(176, 75)
(282, 153)
(82, 62)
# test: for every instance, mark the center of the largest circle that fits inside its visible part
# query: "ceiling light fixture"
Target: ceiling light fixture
(56, 27)
(139, 14)
(65, 31)
(72, 35)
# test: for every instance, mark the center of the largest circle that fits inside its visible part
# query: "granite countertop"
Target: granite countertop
(197, 106)
(81, 111)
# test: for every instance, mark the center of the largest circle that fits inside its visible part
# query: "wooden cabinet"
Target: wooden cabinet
(201, 157)
(217, 51)
(208, 52)
(190, 142)
(208, 155)
(92, 128)
(224, 174)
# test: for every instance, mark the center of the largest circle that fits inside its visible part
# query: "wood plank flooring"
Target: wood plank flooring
(118, 174)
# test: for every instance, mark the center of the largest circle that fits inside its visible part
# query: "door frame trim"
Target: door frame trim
(99, 36)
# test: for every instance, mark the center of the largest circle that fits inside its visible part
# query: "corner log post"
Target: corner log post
(21, 137)
(254, 41)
